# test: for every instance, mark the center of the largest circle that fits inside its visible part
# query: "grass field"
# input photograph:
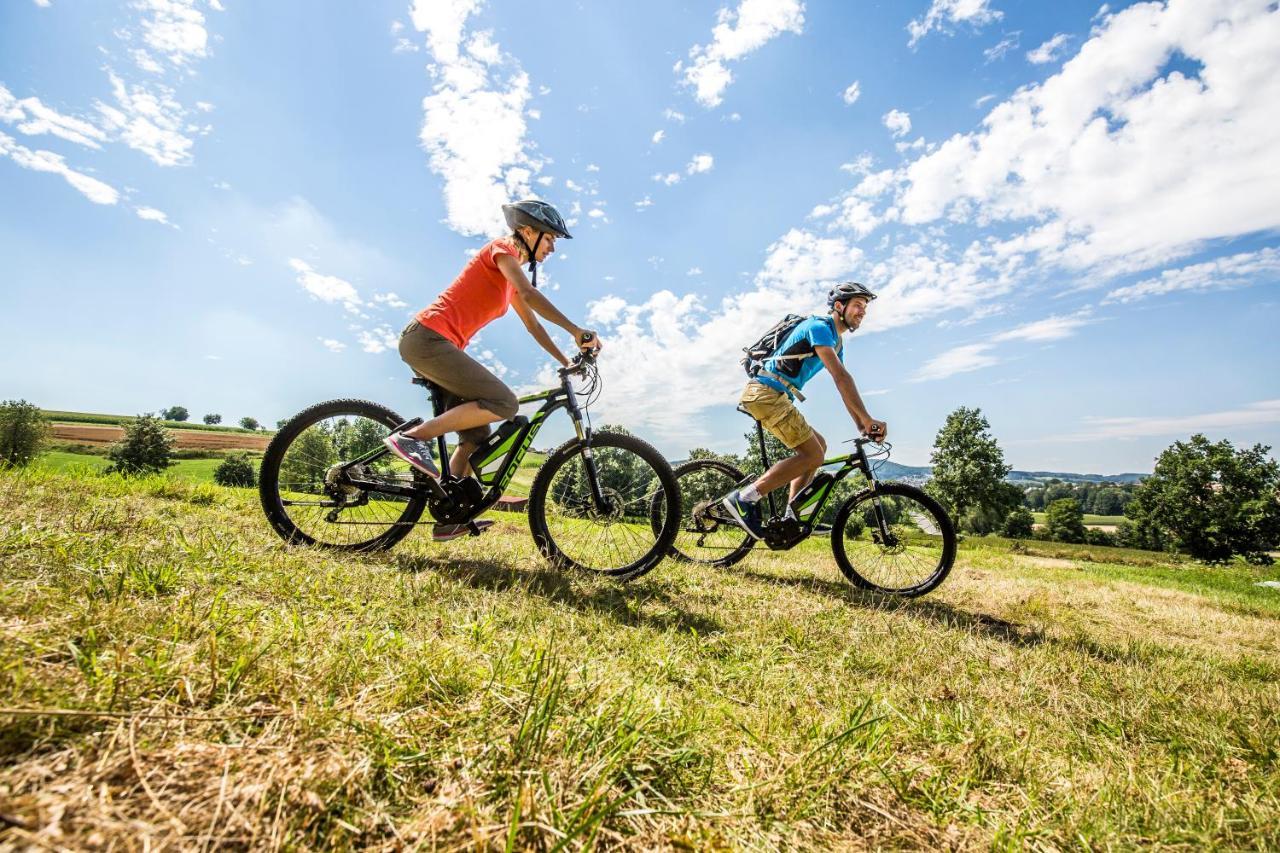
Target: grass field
(59, 417)
(173, 676)
(1090, 520)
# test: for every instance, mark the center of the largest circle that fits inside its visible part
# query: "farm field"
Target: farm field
(1106, 522)
(172, 675)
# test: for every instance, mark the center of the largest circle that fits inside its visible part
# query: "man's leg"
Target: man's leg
(803, 480)
(798, 469)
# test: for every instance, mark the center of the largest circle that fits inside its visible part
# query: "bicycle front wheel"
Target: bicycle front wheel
(310, 500)
(613, 537)
(705, 534)
(896, 540)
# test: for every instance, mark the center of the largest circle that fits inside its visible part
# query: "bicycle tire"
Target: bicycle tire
(945, 531)
(569, 452)
(269, 477)
(686, 471)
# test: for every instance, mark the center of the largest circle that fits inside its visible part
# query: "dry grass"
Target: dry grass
(229, 692)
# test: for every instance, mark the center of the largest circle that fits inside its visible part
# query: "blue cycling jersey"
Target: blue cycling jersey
(810, 333)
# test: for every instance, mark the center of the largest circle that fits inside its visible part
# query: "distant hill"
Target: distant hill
(920, 473)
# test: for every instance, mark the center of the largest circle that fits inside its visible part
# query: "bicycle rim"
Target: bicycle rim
(703, 535)
(909, 555)
(309, 499)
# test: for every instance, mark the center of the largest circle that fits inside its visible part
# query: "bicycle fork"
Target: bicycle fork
(588, 459)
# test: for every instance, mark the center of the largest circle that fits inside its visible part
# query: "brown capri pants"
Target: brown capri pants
(462, 378)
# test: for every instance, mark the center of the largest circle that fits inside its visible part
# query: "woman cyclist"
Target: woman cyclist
(433, 343)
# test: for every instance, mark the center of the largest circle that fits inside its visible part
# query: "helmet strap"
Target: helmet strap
(532, 253)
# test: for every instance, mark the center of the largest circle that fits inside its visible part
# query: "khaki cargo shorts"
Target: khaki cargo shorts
(461, 377)
(776, 413)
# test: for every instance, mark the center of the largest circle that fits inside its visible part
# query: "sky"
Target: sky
(1070, 212)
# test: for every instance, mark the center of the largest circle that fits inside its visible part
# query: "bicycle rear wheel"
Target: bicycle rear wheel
(704, 535)
(308, 499)
(619, 541)
(908, 555)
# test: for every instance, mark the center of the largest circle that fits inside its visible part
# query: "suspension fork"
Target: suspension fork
(881, 523)
(588, 460)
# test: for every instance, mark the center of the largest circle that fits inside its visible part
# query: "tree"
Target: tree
(773, 446)
(249, 423)
(236, 471)
(175, 413)
(23, 431)
(969, 469)
(213, 419)
(1065, 521)
(147, 448)
(1018, 524)
(1209, 500)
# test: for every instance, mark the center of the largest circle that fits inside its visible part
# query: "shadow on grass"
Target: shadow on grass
(634, 604)
(936, 612)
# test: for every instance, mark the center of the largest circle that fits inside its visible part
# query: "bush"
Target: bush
(147, 448)
(23, 433)
(1094, 536)
(212, 419)
(249, 423)
(236, 471)
(1018, 524)
(1065, 521)
(175, 413)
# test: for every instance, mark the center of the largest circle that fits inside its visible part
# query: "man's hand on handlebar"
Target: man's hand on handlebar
(586, 339)
(876, 430)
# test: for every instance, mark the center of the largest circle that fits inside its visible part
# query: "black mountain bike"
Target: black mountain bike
(891, 537)
(328, 480)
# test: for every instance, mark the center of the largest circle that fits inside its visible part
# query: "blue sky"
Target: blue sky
(1070, 211)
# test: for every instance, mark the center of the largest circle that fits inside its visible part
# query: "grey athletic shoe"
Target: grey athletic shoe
(445, 532)
(745, 513)
(416, 453)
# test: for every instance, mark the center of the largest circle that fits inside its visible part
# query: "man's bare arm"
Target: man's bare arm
(849, 394)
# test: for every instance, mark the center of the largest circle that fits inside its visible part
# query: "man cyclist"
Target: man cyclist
(433, 343)
(812, 345)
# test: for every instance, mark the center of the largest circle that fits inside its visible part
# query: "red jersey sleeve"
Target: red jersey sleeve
(503, 247)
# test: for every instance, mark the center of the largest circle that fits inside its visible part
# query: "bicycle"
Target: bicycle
(328, 480)
(890, 537)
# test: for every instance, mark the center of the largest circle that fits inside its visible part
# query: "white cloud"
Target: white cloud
(970, 357)
(1002, 48)
(898, 122)
(592, 167)
(570, 185)
(33, 118)
(93, 189)
(671, 115)
(736, 34)
(331, 345)
(377, 340)
(643, 203)
(1239, 270)
(175, 28)
(694, 271)
(1115, 163)
(960, 359)
(852, 93)
(699, 164)
(658, 136)
(390, 300)
(1048, 51)
(44, 3)
(148, 119)
(326, 288)
(942, 13)
(1259, 414)
(474, 122)
(669, 178)
(152, 215)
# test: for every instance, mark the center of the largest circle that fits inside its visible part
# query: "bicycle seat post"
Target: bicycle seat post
(437, 409)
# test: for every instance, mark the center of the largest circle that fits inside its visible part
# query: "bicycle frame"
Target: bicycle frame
(814, 496)
(455, 499)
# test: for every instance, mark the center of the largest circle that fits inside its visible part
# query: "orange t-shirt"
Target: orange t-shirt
(479, 295)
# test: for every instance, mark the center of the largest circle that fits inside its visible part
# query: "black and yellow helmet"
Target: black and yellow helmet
(536, 214)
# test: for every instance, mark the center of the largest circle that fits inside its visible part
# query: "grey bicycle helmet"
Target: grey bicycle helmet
(536, 214)
(846, 290)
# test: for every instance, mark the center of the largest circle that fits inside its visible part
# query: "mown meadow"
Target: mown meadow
(172, 676)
